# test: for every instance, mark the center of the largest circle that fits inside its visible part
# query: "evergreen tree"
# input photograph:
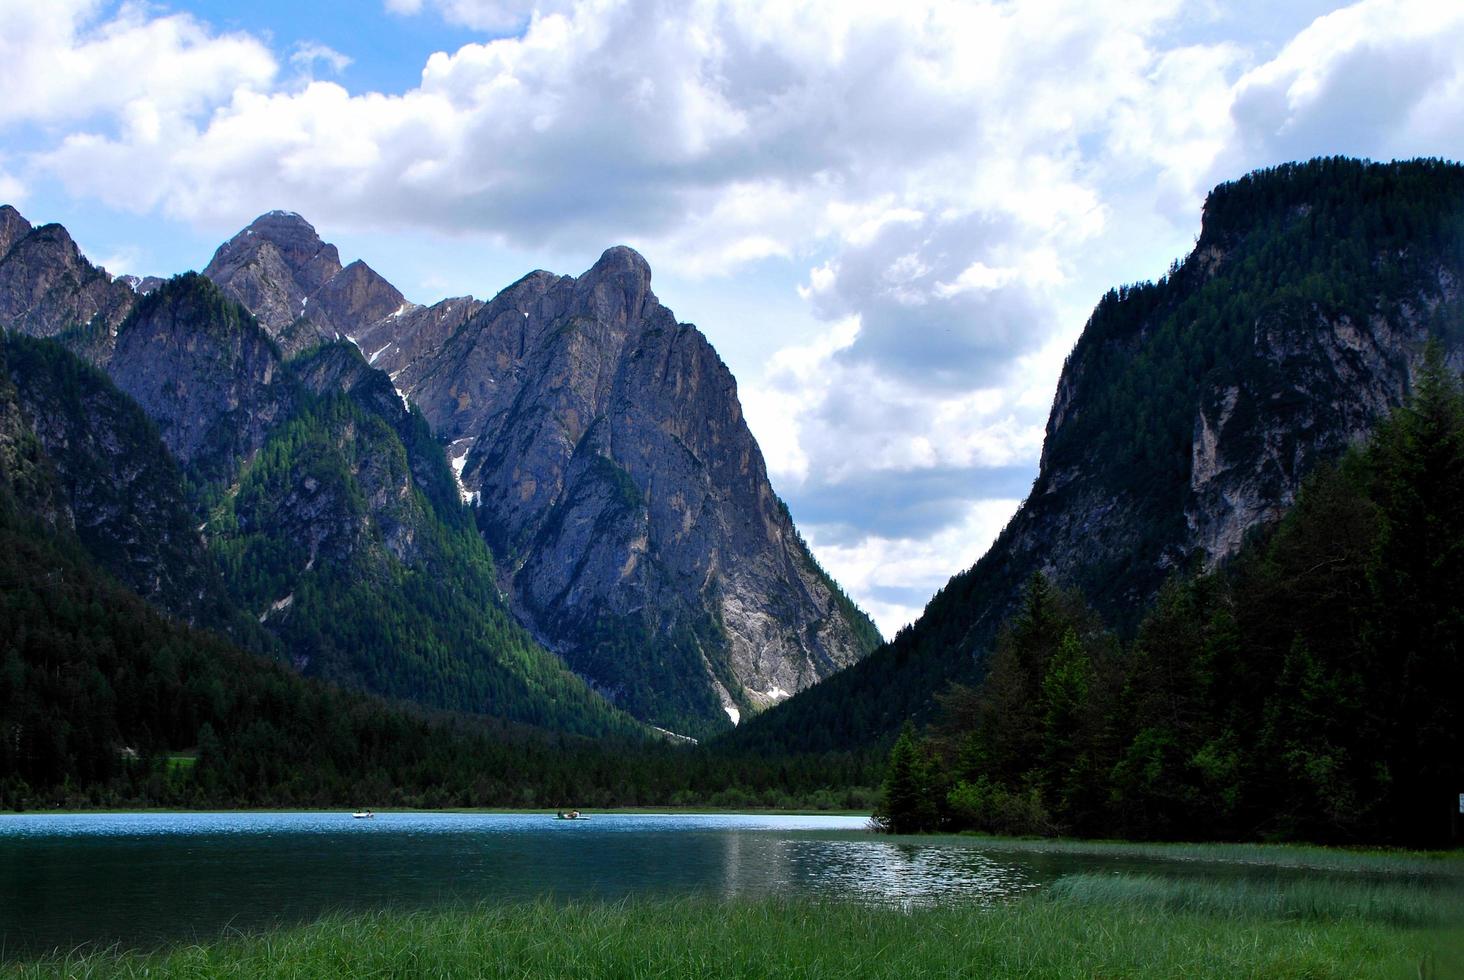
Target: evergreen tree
(907, 804)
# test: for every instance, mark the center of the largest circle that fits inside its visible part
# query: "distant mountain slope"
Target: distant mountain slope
(48, 287)
(1189, 412)
(110, 481)
(613, 474)
(328, 505)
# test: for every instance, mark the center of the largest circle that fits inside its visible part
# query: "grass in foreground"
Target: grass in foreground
(1311, 857)
(1084, 926)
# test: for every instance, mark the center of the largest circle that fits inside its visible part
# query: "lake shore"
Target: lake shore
(547, 811)
(1113, 926)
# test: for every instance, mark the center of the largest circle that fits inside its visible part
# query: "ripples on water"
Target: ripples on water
(141, 879)
(144, 879)
(906, 874)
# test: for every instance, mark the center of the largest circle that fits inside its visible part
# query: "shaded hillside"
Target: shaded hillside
(1307, 691)
(326, 505)
(1189, 412)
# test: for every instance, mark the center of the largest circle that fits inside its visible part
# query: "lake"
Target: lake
(146, 879)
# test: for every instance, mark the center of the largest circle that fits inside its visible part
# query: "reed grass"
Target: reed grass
(1310, 857)
(1083, 926)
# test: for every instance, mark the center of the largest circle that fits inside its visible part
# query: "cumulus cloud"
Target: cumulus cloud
(1383, 75)
(894, 577)
(12, 191)
(62, 61)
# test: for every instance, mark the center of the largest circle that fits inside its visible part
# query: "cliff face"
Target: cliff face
(601, 442)
(205, 372)
(604, 448)
(94, 466)
(615, 475)
(1190, 410)
(48, 288)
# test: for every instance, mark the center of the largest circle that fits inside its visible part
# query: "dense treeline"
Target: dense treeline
(103, 701)
(1280, 250)
(1309, 691)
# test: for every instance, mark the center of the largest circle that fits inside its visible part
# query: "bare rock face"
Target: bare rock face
(107, 479)
(205, 372)
(294, 283)
(614, 473)
(13, 228)
(48, 288)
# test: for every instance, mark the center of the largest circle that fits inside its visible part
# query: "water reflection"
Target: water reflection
(144, 879)
(904, 873)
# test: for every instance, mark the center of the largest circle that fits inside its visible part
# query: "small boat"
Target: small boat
(570, 815)
(363, 815)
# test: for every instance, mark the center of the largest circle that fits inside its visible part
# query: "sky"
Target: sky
(890, 219)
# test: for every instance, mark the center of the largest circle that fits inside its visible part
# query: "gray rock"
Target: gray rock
(619, 482)
(205, 372)
(615, 476)
(48, 288)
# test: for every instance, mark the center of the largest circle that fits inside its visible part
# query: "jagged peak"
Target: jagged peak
(618, 284)
(618, 260)
(281, 219)
(286, 230)
(13, 227)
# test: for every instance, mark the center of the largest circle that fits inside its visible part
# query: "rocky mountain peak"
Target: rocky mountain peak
(47, 286)
(312, 260)
(13, 227)
(616, 288)
(273, 267)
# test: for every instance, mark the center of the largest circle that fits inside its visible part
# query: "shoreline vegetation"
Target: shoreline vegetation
(1083, 925)
(540, 810)
(1350, 913)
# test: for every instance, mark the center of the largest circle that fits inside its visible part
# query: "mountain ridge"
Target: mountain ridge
(640, 542)
(1188, 413)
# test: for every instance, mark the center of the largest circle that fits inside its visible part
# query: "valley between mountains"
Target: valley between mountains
(425, 501)
(322, 543)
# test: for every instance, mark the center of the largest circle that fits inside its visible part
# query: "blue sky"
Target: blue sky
(890, 219)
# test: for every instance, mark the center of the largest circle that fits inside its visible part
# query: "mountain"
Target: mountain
(109, 481)
(622, 512)
(299, 508)
(49, 288)
(603, 445)
(1188, 414)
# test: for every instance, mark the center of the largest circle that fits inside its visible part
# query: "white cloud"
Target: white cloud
(307, 54)
(1382, 77)
(12, 191)
(60, 61)
(895, 576)
(483, 15)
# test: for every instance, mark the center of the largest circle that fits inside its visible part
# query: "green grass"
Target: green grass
(1083, 926)
(1312, 857)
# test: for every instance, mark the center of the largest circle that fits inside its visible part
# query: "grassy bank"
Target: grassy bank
(1310, 857)
(1084, 926)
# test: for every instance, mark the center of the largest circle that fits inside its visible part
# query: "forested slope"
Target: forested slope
(1188, 414)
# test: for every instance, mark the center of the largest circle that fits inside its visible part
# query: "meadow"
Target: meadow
(1358, 920)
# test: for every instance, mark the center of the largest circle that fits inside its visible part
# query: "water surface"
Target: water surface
(145, 879)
